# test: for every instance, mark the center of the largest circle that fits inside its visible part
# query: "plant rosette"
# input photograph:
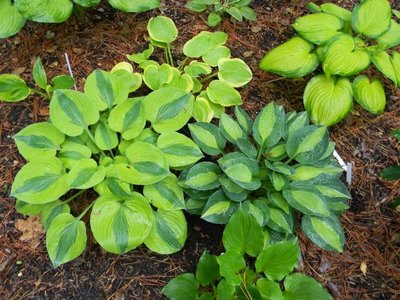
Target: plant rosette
(274, 168)
(344, 43)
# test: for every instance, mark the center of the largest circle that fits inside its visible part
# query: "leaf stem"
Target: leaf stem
(166, 56)
(36, 91)
(73, 197)
(171, 59)
(209, 77)
(182, 64)
(85, 211)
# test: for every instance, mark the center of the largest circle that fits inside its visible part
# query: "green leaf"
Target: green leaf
(248, 13)
(390, 38)
(202, 43)
(301, 287)
(195, 6)
(87, 3)
(182, 287)
(342, 58)
(196, 68)
(213, 56)
(307, 172)
(207, 269)
(292, 59)
(136, 6)
(71, 153)
(225, 290)
(28, 209)
(202, 111)
(328, 100)
(208, 137)
(157, 76)
(13, 88)
(203, 176)
(372, 17)
(179, 150)
(219, 208)
(105, 137)
(38, 140)
(65, 239)
(232, 190)
(278, 260)
(231, 129)
(40, 181)
(335, 10)
(269, 290)
(213, 19)
(39, 74)
(162, 29)
(120, 224)
(71, 112)
(234, 71)
(220, 92)
(168, 109)
(326, 233)
(369, 94)
(391, 173)
(280, 221)
(247, 148)
(168, 233)
(244, 120)
(235, 13)
(51, 211)
(62, 82)
(280, 167)
(243, 234)
(11, 20)
(48, 11)
(318, 28)
(230, 264)
(386, 65)
(85, 174)
(113, 186)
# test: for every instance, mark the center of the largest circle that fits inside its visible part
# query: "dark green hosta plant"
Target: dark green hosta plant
(232, 275)
(345, 43)
(13, 14)
(238, 9)
(207, 71)
(274, 168)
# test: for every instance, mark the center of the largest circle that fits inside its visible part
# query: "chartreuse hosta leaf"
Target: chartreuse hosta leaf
(369, 94)
(292, 59)
(196, 68)
(280, 221)
(208, 137)
(308, 172)
(105, 137)
(162, 29)
(13, 88)
(202, 111)
(231, 129)
(168, 109)
(28, 209)
(128, 118)
(230, 264)
(52, 210)
(183, 287)
(372, 17)
(135, 6)
(11, 20)
(40, 181)
(203, 176)
(342, 58)
(47, 11)
(121, 224)
(388, 65)
(234, 71)
(179, 150)
(214, 55)
(327, 232)
(65, 239)
(87, 3)
(328, 100)
(204, 42)
(71, 153)
(113, 186)
(169, 232)
(166, 194)
(337, 11)
(222, 93)
(157, 76)
(390, 38)
(85, 174)
(219, 208)
(318, 28)
(124, 71)
(300, 286)
(71, 112)
(38, 140)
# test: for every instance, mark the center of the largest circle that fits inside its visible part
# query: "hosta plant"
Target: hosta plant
(232, 275)
(275, 168)
(344, 43)
(238, 9)
(14, 14)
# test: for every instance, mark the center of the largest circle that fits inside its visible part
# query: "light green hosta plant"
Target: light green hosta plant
(232, 275)
(238, 9)
(345, 43)
(275, 168)
(208, 61)
(13, 14)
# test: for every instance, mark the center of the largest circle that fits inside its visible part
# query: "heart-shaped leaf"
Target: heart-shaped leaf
(162, 29)
(85, 174)
(11, 20)
(49, 11)
(390, 38)
(300, 286)
(222, 93)
(234, 71)
(369, 94)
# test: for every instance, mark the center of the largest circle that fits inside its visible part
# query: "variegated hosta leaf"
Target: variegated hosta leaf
(65, 239)
(157, 76)
(181, 81)
(337, 11)
(219, 209)
(105, 137)
(196, 68)
(87, 3)
(71, 112)
(292, 59)
(231, 129)
(40, 181)
(134, 6)
(113, 186)
(124, 72)
(234, 71)
(279, 201)
(308, 172)
(318, 28)
(342, 58)
(326, 233)
(148, 165)
(85, 174)
(169, 232)
(105, 89)
(203, 176)
(45, 11)
(202, 111)
(247, 148)
(269, 125)
(244, 120)
(208, 137)
(11, 20)
(309, 144)
(296, 123)
(71, 153)
(128, 117)
(214, 55)
(168, 109)
(278, 180)
(241, 169)
(28, 209)
(38, 140)
(121, 224)
(372, 17)
(328, 100)
(232, 190)
(280, 167)
(147, 136)
(166, 194)
(277, 152)
(390, 38)
(52, 210)
(280, 221)
(162, 29)
(204, 42)
(369, 94)
(179, 150)
(13, 88)
(222, 93)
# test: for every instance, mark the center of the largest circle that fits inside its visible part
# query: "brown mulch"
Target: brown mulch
(369, 268)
